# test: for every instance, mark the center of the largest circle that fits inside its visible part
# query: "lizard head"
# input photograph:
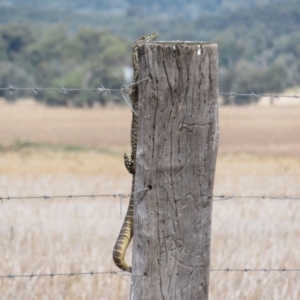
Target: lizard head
(150, 37)
(146, 38)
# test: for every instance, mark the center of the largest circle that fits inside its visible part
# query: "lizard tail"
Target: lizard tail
(124, 239)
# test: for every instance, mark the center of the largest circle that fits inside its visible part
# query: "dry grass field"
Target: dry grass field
(59, 151)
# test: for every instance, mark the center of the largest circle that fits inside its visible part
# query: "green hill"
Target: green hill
(191, 8)
(259, 44)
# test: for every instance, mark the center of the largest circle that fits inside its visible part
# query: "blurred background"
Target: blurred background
(53, 143)
(88, 44)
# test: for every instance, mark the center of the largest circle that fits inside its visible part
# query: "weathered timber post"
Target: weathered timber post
(176, 157)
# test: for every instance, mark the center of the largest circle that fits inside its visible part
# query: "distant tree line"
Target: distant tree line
(259, 47)
(87, 59)
(172, 7)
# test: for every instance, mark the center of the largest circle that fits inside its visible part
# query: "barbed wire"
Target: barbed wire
(254, 95)
(256, 270)
(71, 274)
(125, 89)
(122, 273)
(13, 88)
(67, 197)
(122, 195)
(231, 197)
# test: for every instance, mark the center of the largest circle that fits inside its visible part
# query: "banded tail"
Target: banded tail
(124, 239)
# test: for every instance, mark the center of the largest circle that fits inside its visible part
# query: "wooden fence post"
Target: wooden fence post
(176, 157)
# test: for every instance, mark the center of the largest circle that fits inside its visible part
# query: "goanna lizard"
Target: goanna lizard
(126, 232)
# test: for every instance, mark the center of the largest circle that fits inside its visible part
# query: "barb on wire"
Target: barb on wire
(46, 197)
(63, 90)
(255, 270)
(70, 274)
(102, 90)
(234, 94)
(34, 89)
(231, 197)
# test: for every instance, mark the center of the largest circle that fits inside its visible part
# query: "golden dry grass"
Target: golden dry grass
(101, 128)
(266, 131)
(78, 235)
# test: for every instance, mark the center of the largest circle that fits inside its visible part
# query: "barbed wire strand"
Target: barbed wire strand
(67, 197)
(254, 95)
(126, 89)
(121, 196)
(71, 274)
(123, 274)
(13, 88)
(255, 270)
(231, 197)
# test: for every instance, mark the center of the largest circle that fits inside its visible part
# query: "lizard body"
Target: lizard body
(126, 232)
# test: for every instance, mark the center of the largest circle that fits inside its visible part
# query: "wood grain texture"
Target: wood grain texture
(176, 155)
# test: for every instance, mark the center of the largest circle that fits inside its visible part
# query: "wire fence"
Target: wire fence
(67, 197)
(125, 89)
(256, 270)
(123, 195)
(70, 274)
(254, 95)
(232, 197)
(124, 274)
